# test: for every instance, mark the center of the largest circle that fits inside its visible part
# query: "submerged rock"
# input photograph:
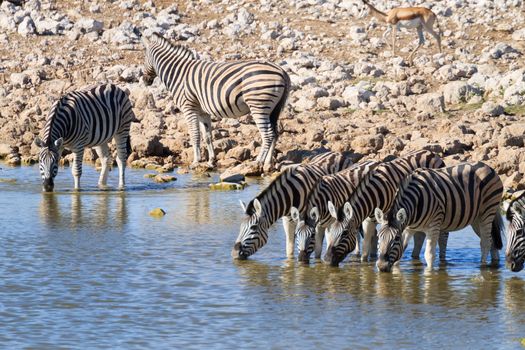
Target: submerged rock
(227, 186)
(164, 178)
(157, 212)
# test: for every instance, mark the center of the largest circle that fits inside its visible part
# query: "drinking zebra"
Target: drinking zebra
(89, 117)
(202, 89)
(290, 188)
(376, 189)
(315, 217)
(515, 250)
(440, 200)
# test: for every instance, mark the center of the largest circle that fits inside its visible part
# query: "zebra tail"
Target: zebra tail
(128, 145)
(497, 230)
(274, 116)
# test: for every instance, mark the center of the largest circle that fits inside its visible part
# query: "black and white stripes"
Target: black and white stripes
(515, 250)
(289, 189)
(314, 219)
(90, 117)
(376, 189)
(441, 200)
(202, 89)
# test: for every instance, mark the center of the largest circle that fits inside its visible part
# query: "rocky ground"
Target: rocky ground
(349, 92)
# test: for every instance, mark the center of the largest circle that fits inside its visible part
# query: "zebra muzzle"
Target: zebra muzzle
(303, 256)
(237, 252)
(513, 265)
(48, 185)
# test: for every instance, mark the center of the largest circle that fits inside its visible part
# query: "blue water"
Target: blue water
(94, 270)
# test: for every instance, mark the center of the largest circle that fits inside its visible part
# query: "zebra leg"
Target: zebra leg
(122, 156)
(374, 246)
(319, 238)
(369, 228)
(76, 170)
(442, 242)
(205, 125)
(430, 249)
(289, 231)
(419, 239)
(268, 135)
(103, 153)
(192, 119)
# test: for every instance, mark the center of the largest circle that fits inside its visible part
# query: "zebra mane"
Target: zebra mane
(182, 49)
(519, 201)
(250, 210)
(51, 117)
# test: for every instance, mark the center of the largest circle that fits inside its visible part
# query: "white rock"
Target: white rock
(459, 92)
(26, 27)
(19, 79)
(88, 25)
(519, 35)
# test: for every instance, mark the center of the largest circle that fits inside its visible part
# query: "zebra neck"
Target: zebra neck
(58, 125)
(171, 68)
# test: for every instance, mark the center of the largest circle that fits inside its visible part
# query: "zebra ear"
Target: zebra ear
(314, 214)
(294, 212)
(517, 209)
(332, 210)
(38, 142)
(257, 206)
(59, 143)
(243, 206)
(380, 216)
(349, 212)
(401, 216)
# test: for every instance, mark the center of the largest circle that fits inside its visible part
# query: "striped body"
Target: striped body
(441, 200)
(377, 189)
(315, 216)
(515, 250)
(90, 117)
(290, 188)
(202, 89)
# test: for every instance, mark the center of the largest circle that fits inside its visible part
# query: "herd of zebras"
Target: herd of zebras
(414, 195)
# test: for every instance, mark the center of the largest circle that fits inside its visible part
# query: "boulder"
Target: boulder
(459, 92)
(157, 212)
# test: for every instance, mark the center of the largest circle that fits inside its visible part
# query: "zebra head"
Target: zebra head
(149, 69)
(305, 232)
(48, 158)
(341, 235)
(253, 232)
(515, 251)
(390, 238)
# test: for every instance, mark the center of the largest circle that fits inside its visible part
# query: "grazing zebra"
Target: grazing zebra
(515, 251)
(312, 222)
(89, 117)
(376, 189)
(203, 89)
(290, 188)
(440, 200)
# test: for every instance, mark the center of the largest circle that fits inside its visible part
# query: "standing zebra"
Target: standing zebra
(515, 251)
(376, 189)
(314, 219)
(89, 117)
(440, 200)
(225, 90)
(290, 188)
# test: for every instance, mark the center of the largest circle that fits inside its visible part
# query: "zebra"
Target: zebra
(515, 250)
(440, 200)
(312, 222)
(376, 189)
(289, 189)
(88, 117)
(202, 89)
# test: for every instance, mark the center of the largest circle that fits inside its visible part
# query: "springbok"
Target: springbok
(421, 18)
